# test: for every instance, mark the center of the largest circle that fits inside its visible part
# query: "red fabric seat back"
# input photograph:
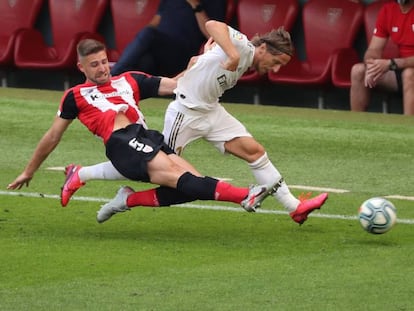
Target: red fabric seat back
(70, 17)
(261, 16)
(231, 8)
(18, 14)
(15, 15)
(129, 17)
(329, 25)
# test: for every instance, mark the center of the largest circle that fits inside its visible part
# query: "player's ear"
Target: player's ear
(80, 67)
(261, 49)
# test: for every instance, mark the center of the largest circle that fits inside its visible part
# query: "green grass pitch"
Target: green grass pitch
(210, 255)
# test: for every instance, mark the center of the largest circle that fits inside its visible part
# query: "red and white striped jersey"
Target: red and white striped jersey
(97, 105)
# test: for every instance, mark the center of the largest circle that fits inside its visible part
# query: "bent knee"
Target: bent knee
(408, 75)
(358, 71)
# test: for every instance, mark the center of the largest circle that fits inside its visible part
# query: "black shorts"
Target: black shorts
(398, 74)
(129, 149)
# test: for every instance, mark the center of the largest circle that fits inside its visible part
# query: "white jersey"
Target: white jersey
(204, 95)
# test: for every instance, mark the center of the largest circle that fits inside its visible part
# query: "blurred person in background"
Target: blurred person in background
(395, 22)
(174, 35)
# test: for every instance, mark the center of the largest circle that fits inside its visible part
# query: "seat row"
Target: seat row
(329, 28)
(25, 46)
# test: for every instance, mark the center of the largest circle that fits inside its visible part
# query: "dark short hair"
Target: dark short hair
(86, 47)
(277, 41)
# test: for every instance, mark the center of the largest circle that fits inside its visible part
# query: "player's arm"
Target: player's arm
(167, 86)
(375, 65)
(153, 86)
(375, 48)
(221, 35)
(200, 15)
(46, 145)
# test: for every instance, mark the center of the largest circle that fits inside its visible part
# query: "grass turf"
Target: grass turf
(178, 258)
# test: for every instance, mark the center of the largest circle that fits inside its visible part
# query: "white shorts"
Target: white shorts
(183, 125)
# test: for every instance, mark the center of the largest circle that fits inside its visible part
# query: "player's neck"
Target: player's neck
(406, 8)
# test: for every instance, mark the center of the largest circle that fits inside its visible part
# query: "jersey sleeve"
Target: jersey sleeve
(240, 41)
(148, 85)
(68, 108)
(381, 30)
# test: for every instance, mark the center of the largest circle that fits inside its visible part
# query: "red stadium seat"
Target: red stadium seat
(329, 26)
(230, 10)
(129, 17)
(259, 17)
(345, 59)
(71, 21)
(15, 16)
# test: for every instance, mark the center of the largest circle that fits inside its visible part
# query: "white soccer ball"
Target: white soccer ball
(377, 215)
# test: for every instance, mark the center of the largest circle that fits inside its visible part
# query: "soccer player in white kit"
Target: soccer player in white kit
(196, 111)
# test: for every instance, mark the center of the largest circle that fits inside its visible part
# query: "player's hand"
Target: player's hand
(20, 181)
(375, 69)
(209, 44)
(193, 3)
(231, 63)
(369, 81)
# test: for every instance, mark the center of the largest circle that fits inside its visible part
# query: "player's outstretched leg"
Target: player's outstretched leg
(307, 206)
(256, 196)
(116, 205)
(72, 183)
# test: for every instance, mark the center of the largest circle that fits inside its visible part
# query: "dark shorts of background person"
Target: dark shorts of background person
(129, 149)
(156, 53)
(398, 75)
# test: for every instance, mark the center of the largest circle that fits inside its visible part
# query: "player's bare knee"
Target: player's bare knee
(358, 72)
(408, 77)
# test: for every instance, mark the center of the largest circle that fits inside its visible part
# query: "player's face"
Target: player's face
(271, 63)
(95, 67)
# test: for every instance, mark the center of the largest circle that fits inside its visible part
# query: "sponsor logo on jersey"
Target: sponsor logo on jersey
(98, 95)
(237, 35)
(222, 80)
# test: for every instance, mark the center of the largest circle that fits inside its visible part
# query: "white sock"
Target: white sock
(104, 170)
(265, 173)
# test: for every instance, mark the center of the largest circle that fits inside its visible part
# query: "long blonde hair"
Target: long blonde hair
(277, 41)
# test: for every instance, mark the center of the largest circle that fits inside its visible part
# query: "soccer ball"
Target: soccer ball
(377, 215)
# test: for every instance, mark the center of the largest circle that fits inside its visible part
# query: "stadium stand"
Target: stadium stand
(14, 17)
(328, 26)
(261, 16)
(49, 44)
(71, 21)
